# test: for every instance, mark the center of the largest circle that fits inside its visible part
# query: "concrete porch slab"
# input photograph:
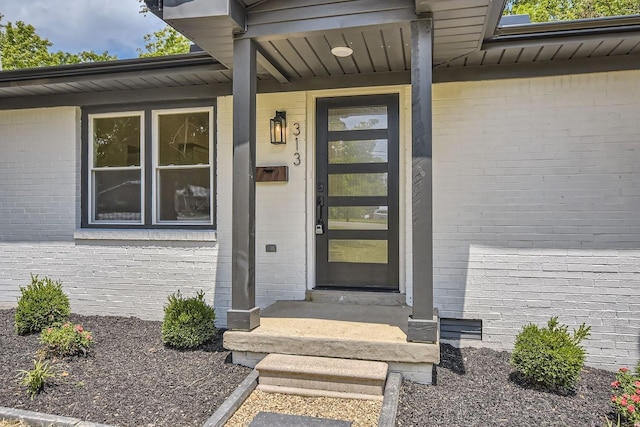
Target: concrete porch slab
(365, 332)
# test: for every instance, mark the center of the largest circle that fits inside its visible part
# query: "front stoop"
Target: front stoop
(343, 331)
(322, 376)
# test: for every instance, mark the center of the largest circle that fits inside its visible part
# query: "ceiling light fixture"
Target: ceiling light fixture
(342, 51)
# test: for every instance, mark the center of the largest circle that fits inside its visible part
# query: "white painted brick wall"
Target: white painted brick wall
(37, 164)
(536, 194)
(39, 211)
(280, 207)
(132, 276)
(536, 207)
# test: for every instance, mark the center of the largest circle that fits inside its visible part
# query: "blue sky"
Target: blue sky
(76, 25)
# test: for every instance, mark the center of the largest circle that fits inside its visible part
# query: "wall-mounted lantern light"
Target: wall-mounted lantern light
(279, 128)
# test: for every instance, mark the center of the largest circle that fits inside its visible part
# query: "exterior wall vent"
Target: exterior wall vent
(455, 329)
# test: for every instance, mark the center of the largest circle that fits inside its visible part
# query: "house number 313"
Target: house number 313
(296, 133)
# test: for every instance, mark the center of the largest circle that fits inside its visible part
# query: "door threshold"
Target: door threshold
(358, 289)
(356, 297)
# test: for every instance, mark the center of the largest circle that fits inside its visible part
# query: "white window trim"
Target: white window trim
(156, 168)
(92, 169)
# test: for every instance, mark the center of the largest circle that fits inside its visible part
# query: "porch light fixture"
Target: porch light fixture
(278, 127)
(342, 51)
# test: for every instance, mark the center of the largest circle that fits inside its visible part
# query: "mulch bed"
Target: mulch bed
(129, 378)
(477, 387)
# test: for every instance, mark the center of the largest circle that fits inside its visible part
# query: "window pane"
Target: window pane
(183, 139)
(358, 251)
(117, 195)
(358, 118)
(116, 141)
(358, 184)
(358, 218)
(184, 195)
(365, 151)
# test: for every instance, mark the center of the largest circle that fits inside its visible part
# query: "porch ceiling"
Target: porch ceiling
(296, 37)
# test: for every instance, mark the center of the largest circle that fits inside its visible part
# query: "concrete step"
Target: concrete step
(344, 331)
(322, 376)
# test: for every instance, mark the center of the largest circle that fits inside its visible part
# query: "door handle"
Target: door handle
(319, 220)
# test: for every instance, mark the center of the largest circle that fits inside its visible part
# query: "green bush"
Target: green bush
(188, 322)
(41, 305)
(66, 340)
(550, 357)
(35, 379)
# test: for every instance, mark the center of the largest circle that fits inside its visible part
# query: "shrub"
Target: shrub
(66, 340)
(550, 357)
(35, 379)
(41, 305)
(626, 395)
(188, 322)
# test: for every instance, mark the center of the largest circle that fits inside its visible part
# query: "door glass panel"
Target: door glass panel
(358, 251)
(358, 118)
(358, 184)
(184, 195)
(116, 141)
(365, 151)
(183, 139)
(358, 218)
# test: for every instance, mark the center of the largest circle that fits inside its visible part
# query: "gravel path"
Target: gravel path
(476, 387)
(362, 413)
(130, 378)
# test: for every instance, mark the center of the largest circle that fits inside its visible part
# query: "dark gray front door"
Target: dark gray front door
(357, 192)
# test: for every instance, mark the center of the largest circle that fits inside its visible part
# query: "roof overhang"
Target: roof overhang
(211, 24)
(294, 39)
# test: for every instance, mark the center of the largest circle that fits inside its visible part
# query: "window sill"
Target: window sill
(146, 235)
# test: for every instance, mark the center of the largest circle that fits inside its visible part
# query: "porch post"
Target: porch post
(422, 325)
(244, 315)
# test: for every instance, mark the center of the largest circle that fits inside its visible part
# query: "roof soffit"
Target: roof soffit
(282, 26)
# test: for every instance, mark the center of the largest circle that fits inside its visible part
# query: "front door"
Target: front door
(357, 214)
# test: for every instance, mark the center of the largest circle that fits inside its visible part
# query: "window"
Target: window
(150, 168)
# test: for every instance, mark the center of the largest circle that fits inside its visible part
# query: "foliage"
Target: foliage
(116, 141)
(188, 322)
(66, 340)
(35, 379)
(611, 424)
(550, 357)
(42, 304)
(626, 395)
(22, 47)
(164, 42)
(567, 10)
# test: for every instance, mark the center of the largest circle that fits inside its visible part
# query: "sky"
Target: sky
(77, 25)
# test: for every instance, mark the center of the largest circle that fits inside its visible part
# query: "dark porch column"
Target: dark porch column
(422, 325)
(244, 315)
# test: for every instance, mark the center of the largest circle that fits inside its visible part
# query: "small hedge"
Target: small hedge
(42, 304)
(66, 340)
(188, 322)
(550, 357)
